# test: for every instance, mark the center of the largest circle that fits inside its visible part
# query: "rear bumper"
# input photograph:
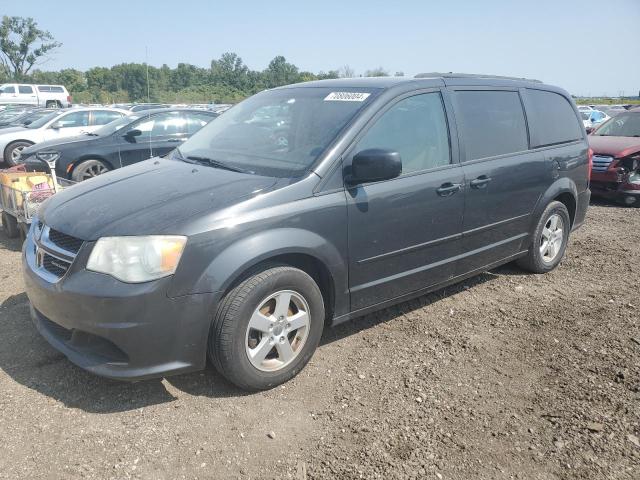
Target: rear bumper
(116, 330)
(581, 208)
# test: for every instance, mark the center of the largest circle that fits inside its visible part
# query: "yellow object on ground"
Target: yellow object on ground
(24, 182)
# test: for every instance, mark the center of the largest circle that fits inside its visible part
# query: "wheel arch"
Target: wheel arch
(562, 190)
(298, 248)
(83, 158)
(12, 142)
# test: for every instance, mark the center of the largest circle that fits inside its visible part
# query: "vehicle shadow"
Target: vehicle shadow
(29, 360)
(12, 244)
(388, 314)
(603, 202)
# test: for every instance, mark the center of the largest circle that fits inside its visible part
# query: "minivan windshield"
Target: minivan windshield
(42, 121)
(279, 132)
(622, 125)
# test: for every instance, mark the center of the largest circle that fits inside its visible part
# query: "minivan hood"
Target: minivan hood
(52, 144)
(146, 198)
(615, 146)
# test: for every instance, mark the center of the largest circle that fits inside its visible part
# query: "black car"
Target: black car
(250, 238)
(126, 141)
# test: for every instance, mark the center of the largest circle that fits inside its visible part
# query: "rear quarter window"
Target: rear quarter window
(552, 119)
(491, 122)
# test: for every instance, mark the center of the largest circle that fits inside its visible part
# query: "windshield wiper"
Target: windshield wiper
(217, 164)
(91, 134)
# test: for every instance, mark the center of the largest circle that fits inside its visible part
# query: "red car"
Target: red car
(615, 173)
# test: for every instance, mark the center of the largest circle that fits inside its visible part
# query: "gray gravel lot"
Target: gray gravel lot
(504, 376)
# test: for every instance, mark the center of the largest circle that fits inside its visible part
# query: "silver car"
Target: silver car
(58, 124)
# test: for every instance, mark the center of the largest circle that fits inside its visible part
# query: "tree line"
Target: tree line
(23, 45)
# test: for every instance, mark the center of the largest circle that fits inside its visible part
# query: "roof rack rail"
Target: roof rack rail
(471, 75)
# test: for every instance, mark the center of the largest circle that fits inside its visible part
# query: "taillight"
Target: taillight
(69, 99)
(590, 157)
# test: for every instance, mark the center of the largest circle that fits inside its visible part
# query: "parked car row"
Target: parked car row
(616, 160)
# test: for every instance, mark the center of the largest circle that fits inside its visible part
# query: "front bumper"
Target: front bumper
(118, 330)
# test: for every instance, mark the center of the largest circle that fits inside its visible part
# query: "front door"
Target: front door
(404, 233)
(159, 134)
(67, 125)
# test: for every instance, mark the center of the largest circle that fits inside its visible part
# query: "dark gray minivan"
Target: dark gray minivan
(301, 207)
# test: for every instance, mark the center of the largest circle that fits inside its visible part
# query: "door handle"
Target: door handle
(480, 182)
(448, 189)
(176, 140)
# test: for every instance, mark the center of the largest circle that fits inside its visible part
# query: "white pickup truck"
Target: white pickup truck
(50, 96)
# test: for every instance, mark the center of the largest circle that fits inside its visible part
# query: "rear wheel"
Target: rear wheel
(89, 169)
(267, 328)
(549, 241)
(53, 104)
(10, 225)
(13, 152)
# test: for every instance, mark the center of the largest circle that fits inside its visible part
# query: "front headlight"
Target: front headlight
(137, 259)
(48, 156)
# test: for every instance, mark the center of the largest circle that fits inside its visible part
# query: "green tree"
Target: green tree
(230, 70)
(279, 72)
(376, 72)
(22, 45)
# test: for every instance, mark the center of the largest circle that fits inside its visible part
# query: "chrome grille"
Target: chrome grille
(601, 163)
(53, 252)
(56, 266)
(64, 241)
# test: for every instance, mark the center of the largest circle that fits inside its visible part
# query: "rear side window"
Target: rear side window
(416, 128)
(552, 119)
(25, 89)
(491, 123)
(102, 117)
(57, 89)
(44, 88)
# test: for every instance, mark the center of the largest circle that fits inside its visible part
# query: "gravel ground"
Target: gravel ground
(504, 376)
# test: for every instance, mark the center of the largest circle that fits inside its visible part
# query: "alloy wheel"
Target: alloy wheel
(277, 330)
(552, 238)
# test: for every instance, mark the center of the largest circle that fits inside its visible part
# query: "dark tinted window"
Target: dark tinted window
(162, 124)
(57, 89)
(552, 119)
(25, 89)
(44, 88)
(491, 123)
(8, 89)
(415, 127)
(75, 119)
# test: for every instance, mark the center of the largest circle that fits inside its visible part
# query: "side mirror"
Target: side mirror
(56, 125)
(131, 134)
(590, 130)
(374, 165)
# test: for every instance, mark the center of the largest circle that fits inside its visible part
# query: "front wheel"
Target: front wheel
(13, 152)
(549, 241)
(88, 169)
(267, 328)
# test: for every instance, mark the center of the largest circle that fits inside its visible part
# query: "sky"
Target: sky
(588, 47)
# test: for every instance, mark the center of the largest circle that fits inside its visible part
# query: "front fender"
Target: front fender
(241, 255)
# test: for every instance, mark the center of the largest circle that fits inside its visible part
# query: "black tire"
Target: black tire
(89, 169)
(227, 339)
(24, 231)
(53, 104)
(534, 260)
(11, 148)
(10, 225)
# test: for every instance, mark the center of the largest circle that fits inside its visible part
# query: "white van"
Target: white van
(50, 96)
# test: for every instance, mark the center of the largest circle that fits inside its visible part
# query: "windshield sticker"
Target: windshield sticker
(346, 97)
